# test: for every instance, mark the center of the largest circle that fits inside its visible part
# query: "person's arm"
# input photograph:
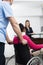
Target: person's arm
(17, 30)
(9, 41)
(7, 11)
(32, 44)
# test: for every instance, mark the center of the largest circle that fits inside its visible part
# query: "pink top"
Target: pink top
(30, 42)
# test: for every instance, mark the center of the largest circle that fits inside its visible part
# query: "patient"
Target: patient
(30, 43)
(22, 52)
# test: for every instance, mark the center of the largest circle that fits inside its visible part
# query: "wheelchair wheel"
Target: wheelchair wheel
(11, 60)
(35, 61)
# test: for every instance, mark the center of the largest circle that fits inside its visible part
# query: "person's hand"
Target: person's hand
(10, 42)
(24, 42)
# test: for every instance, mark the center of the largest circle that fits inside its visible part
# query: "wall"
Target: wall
(41, 21)
(26, 9)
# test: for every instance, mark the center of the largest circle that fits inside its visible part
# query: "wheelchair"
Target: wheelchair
(33, 61)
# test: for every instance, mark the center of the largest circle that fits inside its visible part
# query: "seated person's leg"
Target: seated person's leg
(35, 53)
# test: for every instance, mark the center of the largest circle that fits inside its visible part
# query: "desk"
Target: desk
(40, 34)
(37, 40)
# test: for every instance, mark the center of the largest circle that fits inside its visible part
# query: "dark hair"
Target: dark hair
(27, 21)
(21, 27)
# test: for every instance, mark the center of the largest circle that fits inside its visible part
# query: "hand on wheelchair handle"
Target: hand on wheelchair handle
(10, 43)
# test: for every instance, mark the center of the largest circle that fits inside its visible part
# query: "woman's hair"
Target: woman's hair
(27, 21)
(21, 27)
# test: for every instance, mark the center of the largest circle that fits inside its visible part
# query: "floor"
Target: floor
(11, 62)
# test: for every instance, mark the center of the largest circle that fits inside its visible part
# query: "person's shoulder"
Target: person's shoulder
(30, 27)
(6, 7)
(5, 4)
(1, 3)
